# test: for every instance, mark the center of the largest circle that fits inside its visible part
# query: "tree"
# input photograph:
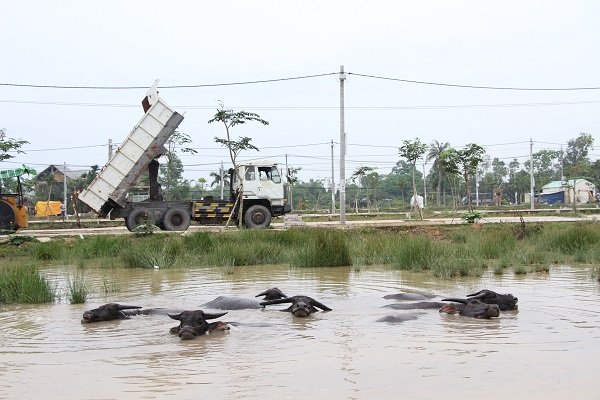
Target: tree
(576, 161)
(435, 149)
(292, 178)
(9, 145)
(229, 119)
(174, 165)
(494, 179)
(171, 177)
(221, 179)
(577, 150)
(412, 151)
(546, 166)
(359, 179)
(464, 162)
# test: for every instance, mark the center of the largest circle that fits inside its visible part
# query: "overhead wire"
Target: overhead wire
(167, 86)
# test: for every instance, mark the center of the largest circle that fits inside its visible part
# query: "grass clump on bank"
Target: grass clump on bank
(324, 248)
(77, 290)
(24, 284)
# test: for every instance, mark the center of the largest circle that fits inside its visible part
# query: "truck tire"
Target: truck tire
(257, 217)
(8, 217)
(176, 219)
(139, 216)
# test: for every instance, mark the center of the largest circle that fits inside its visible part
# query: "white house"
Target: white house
(582, 190)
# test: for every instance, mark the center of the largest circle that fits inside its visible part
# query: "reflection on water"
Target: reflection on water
(547, 349)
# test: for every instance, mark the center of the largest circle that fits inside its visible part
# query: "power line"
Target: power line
(418, 82)
(314, 108)
(168, 86)
(474, 86)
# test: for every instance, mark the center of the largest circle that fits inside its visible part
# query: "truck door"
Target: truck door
(269, 183)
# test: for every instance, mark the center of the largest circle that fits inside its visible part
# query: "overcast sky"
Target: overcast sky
(509, 44)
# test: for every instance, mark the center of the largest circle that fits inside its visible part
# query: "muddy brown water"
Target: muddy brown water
(549, 349)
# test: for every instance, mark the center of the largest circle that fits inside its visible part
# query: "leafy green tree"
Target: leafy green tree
(8, 145)
(494, 178)
(577, 151)
(308, 194)
(171, 177)
(364, 178)
(435, 150)
(546, 166)
(398, 183)
(577, 164)
(230, 119)
(465, 163)
(412, 150)
(292, 178)
(175, 186)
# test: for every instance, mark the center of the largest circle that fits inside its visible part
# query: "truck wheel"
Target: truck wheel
(139, 217)
(257, 216)
(176, 219)
(8, 217)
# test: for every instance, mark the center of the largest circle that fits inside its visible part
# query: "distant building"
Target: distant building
(567, 191)
(56, 175)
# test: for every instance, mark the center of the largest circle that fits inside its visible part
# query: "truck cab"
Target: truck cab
(264, 192)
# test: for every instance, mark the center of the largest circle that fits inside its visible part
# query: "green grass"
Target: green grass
(324, 248)
(77, 289)
(24, 284)
(452, 251)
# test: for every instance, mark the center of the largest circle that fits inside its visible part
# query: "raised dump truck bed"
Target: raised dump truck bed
(145, 142)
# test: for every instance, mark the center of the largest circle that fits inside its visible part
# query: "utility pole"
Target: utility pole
(342, 150)
(221, 181)
(477, 188)
(65, 191)
(110, 149)
(531, 181)
(332, 182)
(424, 186)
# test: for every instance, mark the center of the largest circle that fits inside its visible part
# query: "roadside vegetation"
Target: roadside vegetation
(444, 251)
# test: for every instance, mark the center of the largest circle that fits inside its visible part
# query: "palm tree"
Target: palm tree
(216, 180)
(435, 149)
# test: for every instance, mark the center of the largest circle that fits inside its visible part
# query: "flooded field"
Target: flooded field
(548, 349)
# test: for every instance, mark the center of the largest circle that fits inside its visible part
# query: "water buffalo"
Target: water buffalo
(231, 303)
(193, 323)
(409, 296)
(272, 294)
(504, 301)
(109, 312)
(399, 318)
(470, 308)
(112, 311)
(419, 305)
(302, 306)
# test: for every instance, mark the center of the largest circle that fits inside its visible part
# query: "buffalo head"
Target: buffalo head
(272, 294)
(108, 312)
(193, 323)
(302, 306)
(471, 308)
(504, 301)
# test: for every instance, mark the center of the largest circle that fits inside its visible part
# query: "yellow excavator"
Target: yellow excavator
(13, 213)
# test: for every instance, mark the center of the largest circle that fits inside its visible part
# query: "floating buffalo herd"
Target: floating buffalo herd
(192, 323)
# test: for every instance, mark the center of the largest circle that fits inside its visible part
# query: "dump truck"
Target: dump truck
(257, 192)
